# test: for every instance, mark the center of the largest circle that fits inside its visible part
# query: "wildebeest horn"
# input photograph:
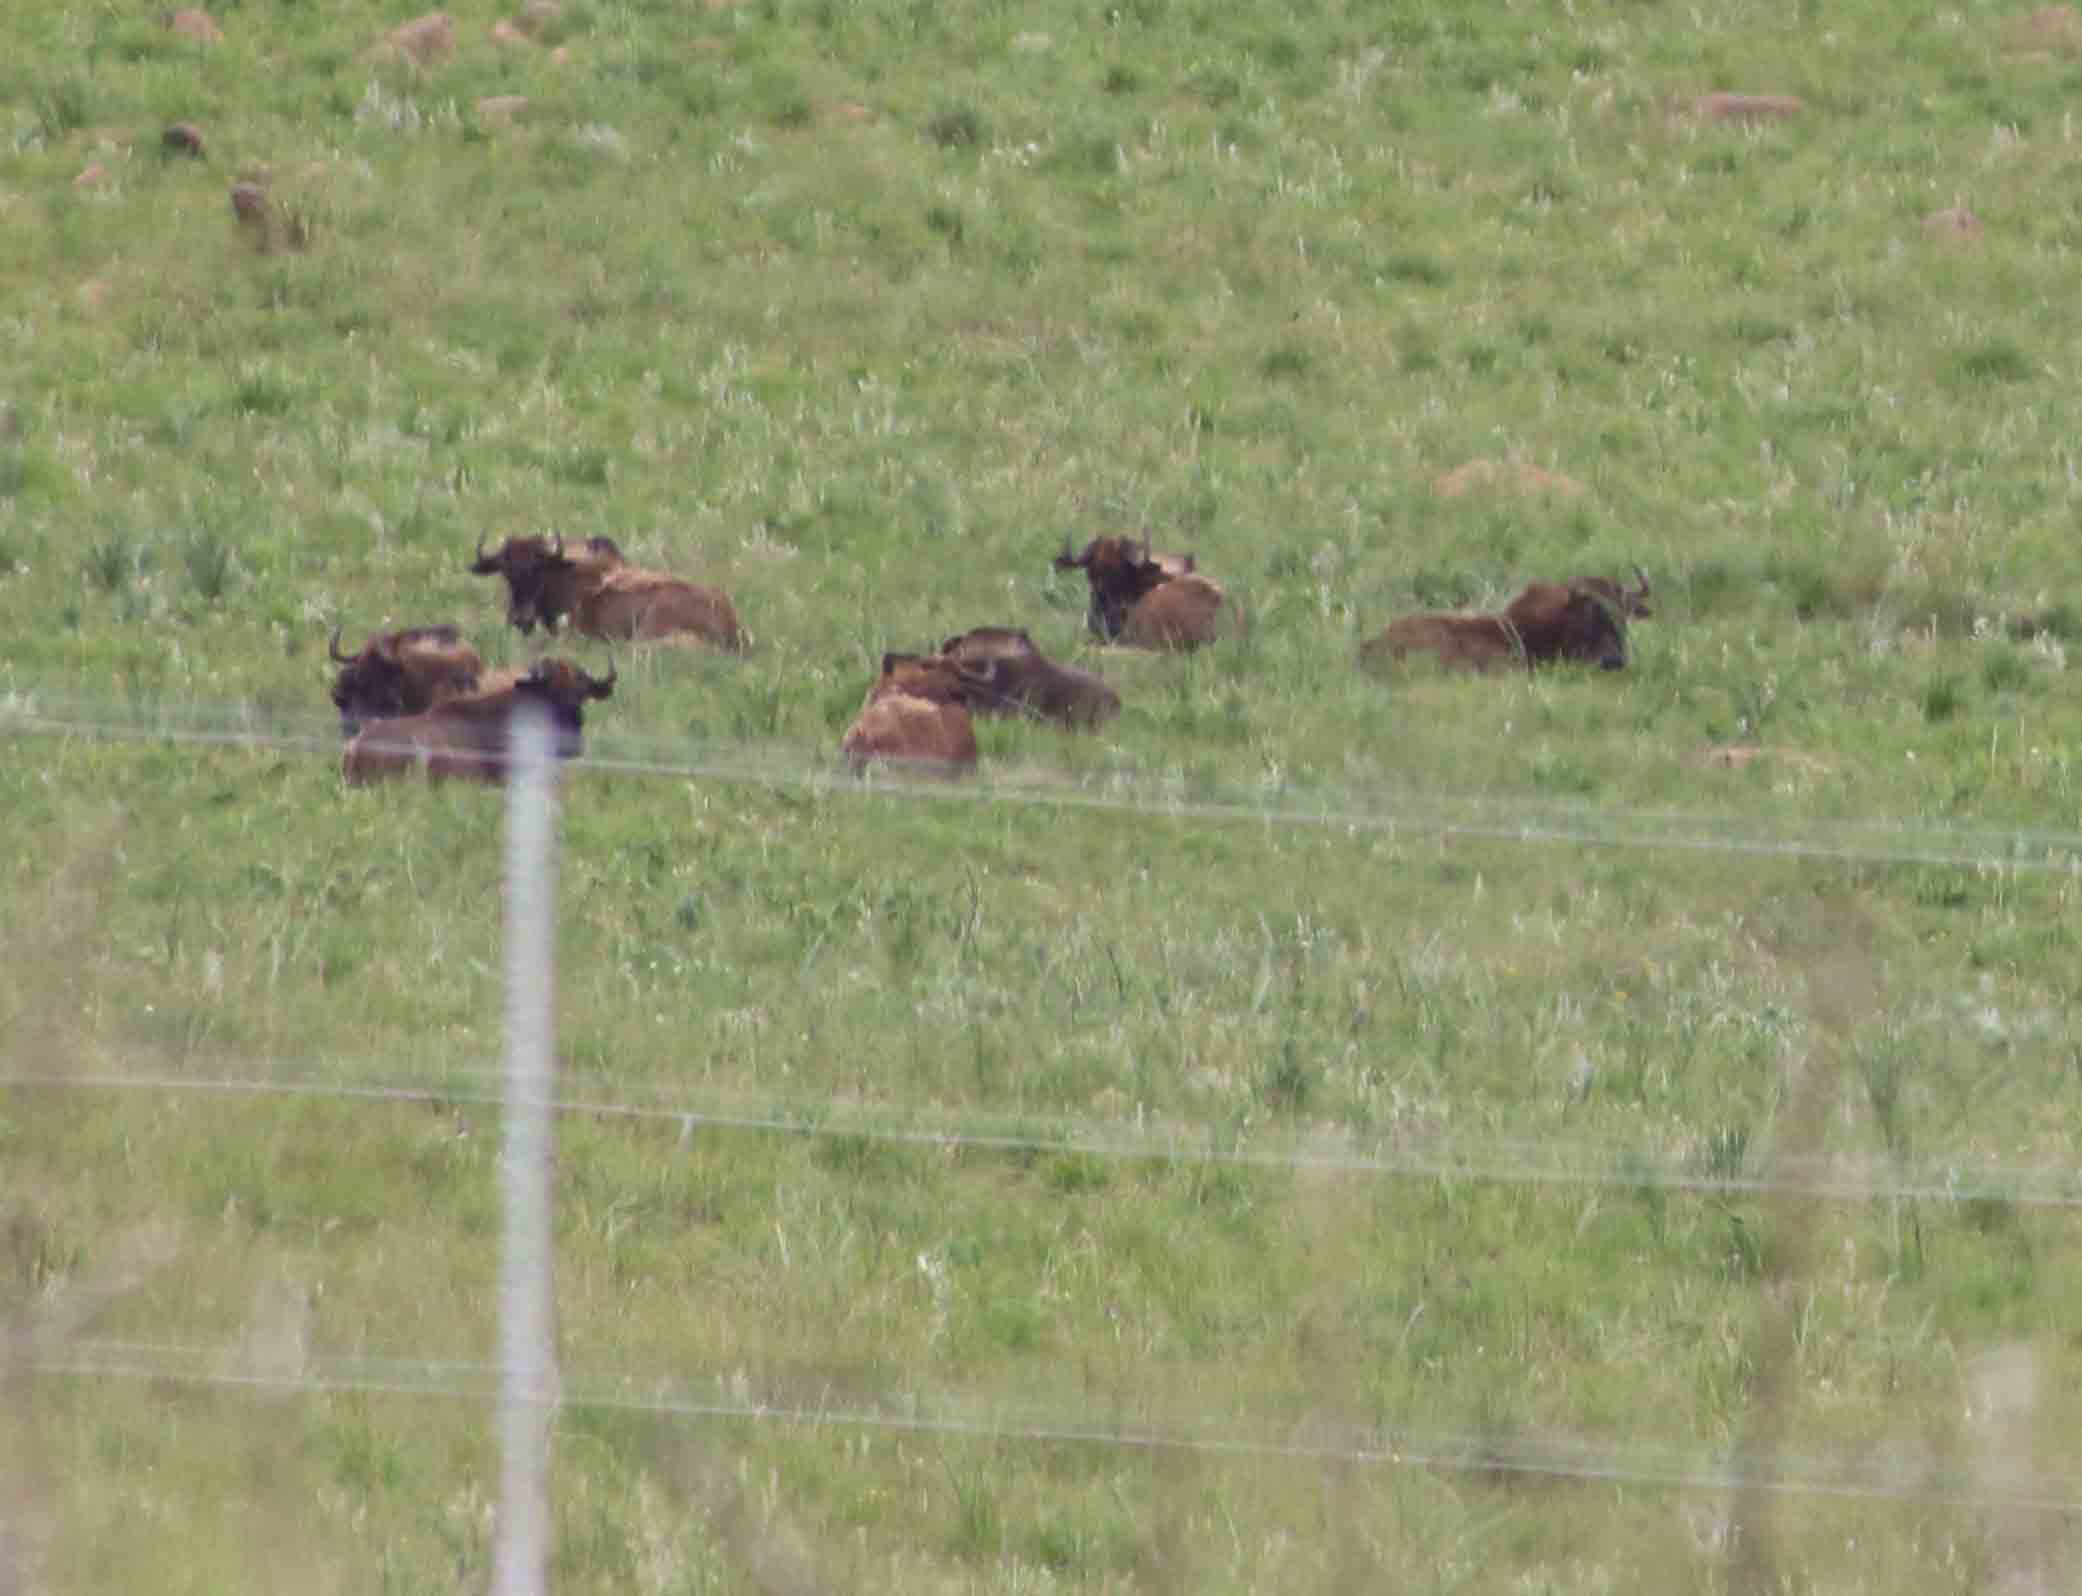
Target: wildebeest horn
(556, 545)
(1067, 560)
(478, 558)
(1641, 576)
(333, 648)
(601, 686)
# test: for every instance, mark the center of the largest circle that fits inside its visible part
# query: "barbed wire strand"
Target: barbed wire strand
(1487, 1160)
(1508, 820)
(966, 1417)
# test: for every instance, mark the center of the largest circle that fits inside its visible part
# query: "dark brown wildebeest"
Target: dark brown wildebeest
(402, 673)
(1003, 673)
(1577, 622)
(914, 716)
(1120, 572)
(470, 737)
(604, 596)
(1182, 613)
(542, 581)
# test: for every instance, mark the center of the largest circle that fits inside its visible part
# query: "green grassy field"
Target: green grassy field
(1322, 1133)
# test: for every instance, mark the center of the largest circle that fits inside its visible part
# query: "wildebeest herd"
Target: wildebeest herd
(420, 700)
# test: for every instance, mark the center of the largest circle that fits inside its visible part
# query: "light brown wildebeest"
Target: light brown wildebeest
(1003, 673)
(470, 737)
(1148, 599)
(603, 595)
(1579, 622)
(914, 716)
(402, 673)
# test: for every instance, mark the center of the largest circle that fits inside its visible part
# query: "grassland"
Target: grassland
(1495, 1146)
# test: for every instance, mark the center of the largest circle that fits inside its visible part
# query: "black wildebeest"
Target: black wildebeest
(471, 737)
(402, 673)
(1578, 622)
(1148, 599)
(603, 595)
(1002, 673)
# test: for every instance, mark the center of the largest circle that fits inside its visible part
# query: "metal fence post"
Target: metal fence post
(527, 1354)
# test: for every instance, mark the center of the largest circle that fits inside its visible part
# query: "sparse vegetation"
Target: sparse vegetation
(1304, 1056)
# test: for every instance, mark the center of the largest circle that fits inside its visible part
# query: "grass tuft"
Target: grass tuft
(957, 124)
(207, 558)
(62, 107)
(1999, 360)
(112, 563)
(1944, 696)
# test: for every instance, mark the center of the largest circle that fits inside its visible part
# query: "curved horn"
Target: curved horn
(333, 648)
(1641, 576)
(479, 554)
(603, 686)
(1067, 560)
(556, 545)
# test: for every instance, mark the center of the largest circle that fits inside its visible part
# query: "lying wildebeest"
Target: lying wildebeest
(402, 673)
(914, 716)
(1001, 672)
(604, 596)
(1148, 599)
(1120, 572)
(1578, 622)
(471, 736)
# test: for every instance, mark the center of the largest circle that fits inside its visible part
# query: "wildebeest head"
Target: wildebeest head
(1121, 571)
(538, 579)
(933, 677)
(1002, 672)
(563, 689)
(1631, 602)
(401, 673)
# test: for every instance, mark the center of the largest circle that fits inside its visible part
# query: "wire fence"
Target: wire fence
(1466, 816)
(1964, 1176)
(526, 1389)
(1893, 1475)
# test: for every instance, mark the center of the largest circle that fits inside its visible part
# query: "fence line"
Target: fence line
(967, 1416)
(526, 1391)
(1545, 1161)
(1469, 817)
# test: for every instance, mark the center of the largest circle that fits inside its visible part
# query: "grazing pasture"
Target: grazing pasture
(1310, 1130)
